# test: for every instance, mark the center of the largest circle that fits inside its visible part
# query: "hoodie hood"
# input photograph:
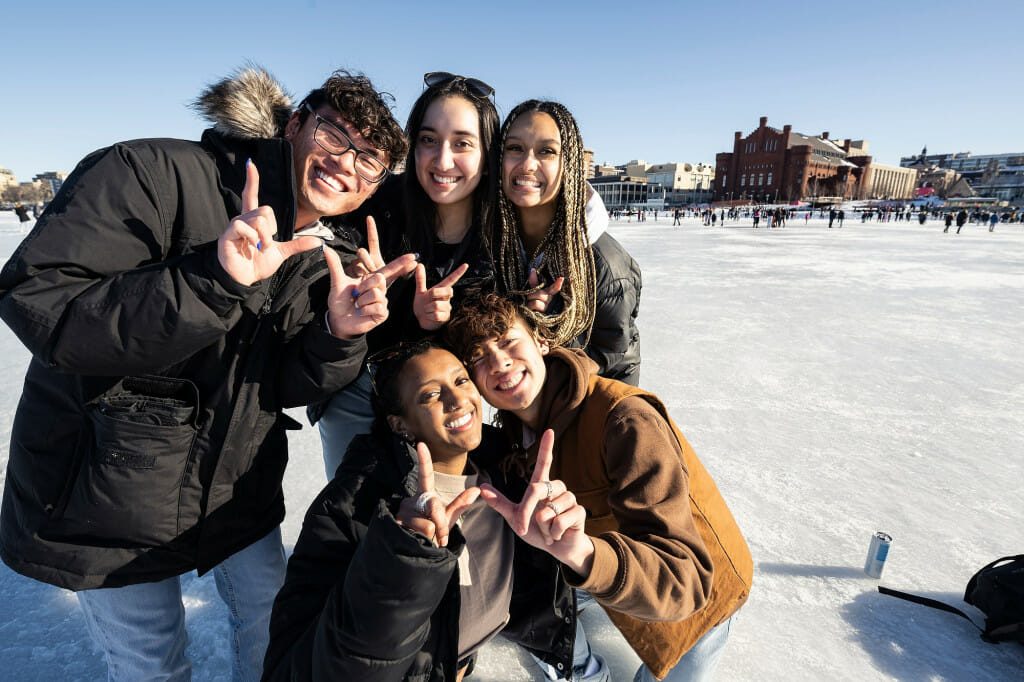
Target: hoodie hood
(248, 104)
(565, 386)
(596, 215)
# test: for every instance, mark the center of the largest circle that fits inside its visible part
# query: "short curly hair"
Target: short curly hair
(487, 317)
(369, 111)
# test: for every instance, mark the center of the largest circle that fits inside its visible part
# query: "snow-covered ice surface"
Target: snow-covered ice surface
(835, 382)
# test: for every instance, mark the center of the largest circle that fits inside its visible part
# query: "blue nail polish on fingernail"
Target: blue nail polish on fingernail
(355, 293)
(247, 162)
(415, 256)
(359, 312)
(259, 246)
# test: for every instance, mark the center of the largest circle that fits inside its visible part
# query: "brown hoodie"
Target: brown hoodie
(670, 562)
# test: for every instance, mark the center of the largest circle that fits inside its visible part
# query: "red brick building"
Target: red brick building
(780, 165)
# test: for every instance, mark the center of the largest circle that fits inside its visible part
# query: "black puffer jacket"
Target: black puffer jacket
(614, 339)
(150, 438)
(365, 599)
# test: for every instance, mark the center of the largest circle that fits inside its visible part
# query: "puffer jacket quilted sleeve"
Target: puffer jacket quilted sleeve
(614, 339)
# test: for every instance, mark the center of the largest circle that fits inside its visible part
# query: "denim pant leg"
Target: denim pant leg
(583, 658)
(699, 663)
(347, 414)
(141, 630)
(248, 582)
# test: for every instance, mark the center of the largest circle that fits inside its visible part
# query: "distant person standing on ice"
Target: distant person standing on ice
(22, 213)
(922, 217)
(961, 219)
(544, 237)
(949, 221)
(675, 217)
(842, 215)
(831, 217)
(992, 221)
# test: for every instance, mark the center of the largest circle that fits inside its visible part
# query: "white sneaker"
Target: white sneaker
(594, 670)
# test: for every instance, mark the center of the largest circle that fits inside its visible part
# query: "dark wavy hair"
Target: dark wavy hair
(359, 103)
(420, 211)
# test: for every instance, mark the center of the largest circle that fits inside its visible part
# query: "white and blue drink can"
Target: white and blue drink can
(877, 553)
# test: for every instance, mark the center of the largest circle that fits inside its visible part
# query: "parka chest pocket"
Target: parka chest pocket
(133, 464)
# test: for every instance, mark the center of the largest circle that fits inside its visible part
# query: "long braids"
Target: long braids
(566, 245)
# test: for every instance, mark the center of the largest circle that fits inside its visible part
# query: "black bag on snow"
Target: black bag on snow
(997, 590)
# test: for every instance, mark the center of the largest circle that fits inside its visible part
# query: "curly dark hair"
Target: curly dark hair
(488, 317)
(369, 111)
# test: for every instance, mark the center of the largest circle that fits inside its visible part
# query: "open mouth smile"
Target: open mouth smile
(331, 182)
(511, 382)
(460, 424)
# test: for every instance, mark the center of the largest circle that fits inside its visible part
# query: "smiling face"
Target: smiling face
(509, 370)
(441, 406)
(531, 165)
(326, 185)
(448, 151)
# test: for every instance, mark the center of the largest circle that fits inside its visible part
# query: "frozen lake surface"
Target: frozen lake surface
(834, 382)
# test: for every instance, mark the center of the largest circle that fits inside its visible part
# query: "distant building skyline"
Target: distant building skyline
(993, 175)
(770, 164)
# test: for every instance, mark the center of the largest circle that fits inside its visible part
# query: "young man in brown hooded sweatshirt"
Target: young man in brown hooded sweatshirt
(661, 553)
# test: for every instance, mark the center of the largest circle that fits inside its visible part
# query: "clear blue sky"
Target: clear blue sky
(660, 81)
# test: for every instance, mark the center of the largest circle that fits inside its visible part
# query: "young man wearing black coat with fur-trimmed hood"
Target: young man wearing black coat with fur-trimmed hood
(169, 328)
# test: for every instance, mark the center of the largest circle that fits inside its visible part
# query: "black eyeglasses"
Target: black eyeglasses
(476, 87)
(334, 141)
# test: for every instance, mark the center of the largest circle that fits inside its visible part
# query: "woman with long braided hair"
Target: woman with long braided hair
(581, 287)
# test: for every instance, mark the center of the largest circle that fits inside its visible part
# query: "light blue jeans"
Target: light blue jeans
(347, 414)
(697, 665)
(141, 628)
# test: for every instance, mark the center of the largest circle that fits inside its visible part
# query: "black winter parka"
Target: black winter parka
(365, 599)
(150, 438)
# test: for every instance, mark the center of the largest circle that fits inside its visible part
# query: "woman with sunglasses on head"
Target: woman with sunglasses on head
(400, 571)
(437, 208)
(550, 249)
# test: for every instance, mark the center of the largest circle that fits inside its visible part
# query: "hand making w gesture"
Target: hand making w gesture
(370, 260)
(247, 250)
(427, 514)
(433, 306)
(355, 305)
(539, 298)
(548, 517)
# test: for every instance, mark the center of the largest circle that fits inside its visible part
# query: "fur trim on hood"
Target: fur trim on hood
(248, 104)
